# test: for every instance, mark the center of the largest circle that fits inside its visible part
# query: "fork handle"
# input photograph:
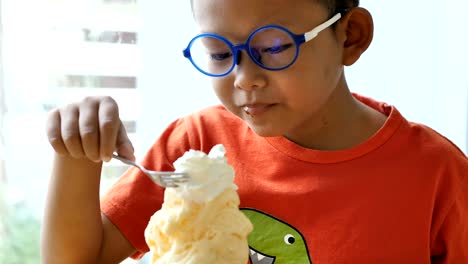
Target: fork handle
(124, 160)
(146, 171)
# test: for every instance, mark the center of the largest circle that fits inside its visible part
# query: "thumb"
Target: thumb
(124, 146)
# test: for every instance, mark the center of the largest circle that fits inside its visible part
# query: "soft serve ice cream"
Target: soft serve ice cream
(200, 221)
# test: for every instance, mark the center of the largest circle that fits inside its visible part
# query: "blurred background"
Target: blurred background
(56, 51)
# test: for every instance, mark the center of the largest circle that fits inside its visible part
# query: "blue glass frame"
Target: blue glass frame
(299, 39)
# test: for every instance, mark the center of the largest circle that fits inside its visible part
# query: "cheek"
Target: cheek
(321, 58)
(223, 89)
(307, 87)
(317, 70)
(330, 57)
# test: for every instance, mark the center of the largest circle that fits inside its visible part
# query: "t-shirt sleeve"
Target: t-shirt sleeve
(450, 241)
(134, 198)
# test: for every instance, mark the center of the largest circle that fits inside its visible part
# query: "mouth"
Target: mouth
(259, 258)
(255, 110)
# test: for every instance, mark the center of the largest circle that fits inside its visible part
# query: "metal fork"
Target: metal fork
(162, 178)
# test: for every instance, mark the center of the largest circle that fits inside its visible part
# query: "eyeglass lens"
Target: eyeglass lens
(271, 48)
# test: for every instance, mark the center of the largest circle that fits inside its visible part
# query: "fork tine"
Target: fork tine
(176, 183)
(167, 185)
(174, 179)
(167, 179)
(172, 182)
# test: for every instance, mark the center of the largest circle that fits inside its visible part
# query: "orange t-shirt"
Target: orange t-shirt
(400, 197)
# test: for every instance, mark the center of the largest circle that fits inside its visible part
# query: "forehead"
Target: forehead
(240, 17)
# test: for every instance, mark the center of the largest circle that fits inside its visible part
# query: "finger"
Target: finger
(124, 145)
(54, 134)
(89, 128)
(109, 123)
(70, 130)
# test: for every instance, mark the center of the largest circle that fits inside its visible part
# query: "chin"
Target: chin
(263, 128)
(266, 131)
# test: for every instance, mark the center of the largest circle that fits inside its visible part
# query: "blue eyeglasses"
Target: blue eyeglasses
(271, 47)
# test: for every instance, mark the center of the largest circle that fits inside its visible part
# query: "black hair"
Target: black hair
(336, 6)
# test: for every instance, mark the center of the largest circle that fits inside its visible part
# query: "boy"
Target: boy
(339, 178)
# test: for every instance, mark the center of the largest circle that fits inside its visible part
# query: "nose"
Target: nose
(248, 75)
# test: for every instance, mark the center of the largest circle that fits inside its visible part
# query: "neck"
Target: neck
(346, 123)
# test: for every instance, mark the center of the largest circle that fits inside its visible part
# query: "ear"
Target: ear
(356, 30)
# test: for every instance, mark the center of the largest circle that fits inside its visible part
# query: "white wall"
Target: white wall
(416, 62)
(168, 84)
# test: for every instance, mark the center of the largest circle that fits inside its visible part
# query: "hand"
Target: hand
(89, 129)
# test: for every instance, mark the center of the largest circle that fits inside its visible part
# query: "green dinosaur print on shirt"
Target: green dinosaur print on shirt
(273, 241)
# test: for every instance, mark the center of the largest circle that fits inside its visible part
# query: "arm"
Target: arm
(74, 231)
(450, 242)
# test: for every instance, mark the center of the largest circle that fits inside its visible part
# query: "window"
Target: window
(56, 51)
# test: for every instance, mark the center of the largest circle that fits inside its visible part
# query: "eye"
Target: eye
(289, 239)
(277, 49)
(220, 56)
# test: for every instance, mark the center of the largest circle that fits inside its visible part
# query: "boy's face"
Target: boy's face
(291, 102)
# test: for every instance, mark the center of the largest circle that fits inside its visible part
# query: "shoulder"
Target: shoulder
(214, 125)
(438, 160)
(201, 130)
(406, 138)
(443, 162)
(431, 153)
(424, 154)
(431, 145)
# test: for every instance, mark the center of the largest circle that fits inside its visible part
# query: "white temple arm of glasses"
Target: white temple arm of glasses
(314, 32)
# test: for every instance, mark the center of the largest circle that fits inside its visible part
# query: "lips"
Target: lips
(255, 110)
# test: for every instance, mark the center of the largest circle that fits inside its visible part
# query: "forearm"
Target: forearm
(72, 228)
